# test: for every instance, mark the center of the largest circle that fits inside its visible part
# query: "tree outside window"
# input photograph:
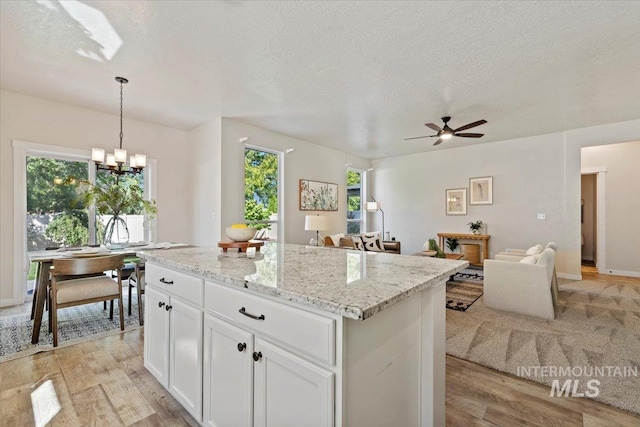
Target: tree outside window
(261, 189)
(354, 201)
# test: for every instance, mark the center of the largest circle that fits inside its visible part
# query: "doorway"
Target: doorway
(589, 222)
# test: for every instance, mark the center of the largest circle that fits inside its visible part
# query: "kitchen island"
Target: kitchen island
(298, 335)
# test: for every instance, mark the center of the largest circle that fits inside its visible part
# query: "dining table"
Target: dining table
(45, 259)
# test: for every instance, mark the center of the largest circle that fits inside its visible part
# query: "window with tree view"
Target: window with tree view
(261, 191)
(355, 189)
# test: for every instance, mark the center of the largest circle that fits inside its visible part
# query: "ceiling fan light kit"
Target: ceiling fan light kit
(446, 132)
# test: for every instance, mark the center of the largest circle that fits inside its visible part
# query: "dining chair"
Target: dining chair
(137, 280)
(70, 285)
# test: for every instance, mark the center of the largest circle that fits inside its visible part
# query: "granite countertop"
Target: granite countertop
(352, 284)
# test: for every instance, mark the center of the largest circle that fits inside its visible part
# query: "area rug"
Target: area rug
(75, 324)
(595, 336)
(463, 289)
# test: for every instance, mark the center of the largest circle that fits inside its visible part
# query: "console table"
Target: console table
(461, 236)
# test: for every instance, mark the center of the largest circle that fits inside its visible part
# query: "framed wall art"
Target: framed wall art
(456, 201)
(318, 196)
(481, 190)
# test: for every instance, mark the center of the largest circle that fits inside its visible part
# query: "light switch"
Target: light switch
(542, 216)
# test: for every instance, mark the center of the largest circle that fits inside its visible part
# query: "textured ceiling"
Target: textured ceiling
(357, 76)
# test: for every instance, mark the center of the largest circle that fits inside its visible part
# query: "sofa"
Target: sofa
(389, 246)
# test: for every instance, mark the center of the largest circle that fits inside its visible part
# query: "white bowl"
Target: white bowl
(241, 234)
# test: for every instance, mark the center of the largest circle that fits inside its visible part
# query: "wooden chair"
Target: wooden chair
(70, 285)
(136, 280)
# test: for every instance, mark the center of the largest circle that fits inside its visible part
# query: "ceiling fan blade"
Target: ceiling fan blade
(470, 135)
(438, 141)
(471, 125)
(433, 126)
(417, 137)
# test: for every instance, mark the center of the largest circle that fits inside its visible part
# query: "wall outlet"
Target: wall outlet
(542, 216)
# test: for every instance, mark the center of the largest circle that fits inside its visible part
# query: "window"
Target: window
(53, 215)
(46, 208)
(355, 200)
(261, 190)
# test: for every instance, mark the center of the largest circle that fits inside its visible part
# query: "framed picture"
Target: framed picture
(456, 201)
(318, 196)
(481, 190)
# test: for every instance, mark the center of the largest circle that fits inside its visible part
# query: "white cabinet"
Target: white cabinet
(233, 357)
(173, 336)
(251, 381)
(156, 335)
(289, 391)
(228, 374)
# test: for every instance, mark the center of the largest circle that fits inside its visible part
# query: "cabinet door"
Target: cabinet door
(185, 360)
(156, 335)
(289, 391)
(228, 374)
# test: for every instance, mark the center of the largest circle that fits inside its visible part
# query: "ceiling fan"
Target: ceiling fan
(446, 132)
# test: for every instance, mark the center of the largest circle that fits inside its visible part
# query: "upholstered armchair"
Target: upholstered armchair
(515, 255)
(521, 287)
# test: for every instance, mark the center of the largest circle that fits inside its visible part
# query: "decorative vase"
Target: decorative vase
(116, 231)
(476, 231)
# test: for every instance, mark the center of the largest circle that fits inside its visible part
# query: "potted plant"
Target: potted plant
(475, 226)
(116, 199)
(452, 244)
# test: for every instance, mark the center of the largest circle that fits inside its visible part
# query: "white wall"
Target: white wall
(30, 119)
(307, 161)
(530, 175)
(206, 165)
(622, 204)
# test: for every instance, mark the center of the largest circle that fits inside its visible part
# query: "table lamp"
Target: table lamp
(316, 223)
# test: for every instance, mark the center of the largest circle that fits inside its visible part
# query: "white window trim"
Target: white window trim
(21, 150)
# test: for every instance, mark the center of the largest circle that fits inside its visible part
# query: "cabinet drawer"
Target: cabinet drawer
(187, 287)
(312, 334)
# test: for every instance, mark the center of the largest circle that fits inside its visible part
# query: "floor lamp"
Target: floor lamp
(316, 223)
(374, 207)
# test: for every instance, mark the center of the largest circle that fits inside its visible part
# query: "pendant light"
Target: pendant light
(117, 162)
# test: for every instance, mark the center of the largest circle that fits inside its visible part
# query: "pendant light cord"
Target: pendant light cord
(121, 135)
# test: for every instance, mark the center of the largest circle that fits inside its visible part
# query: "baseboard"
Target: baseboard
(7, 302)
(569, 276)
(620, 273)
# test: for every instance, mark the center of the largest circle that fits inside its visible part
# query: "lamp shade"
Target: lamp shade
(316, 222)
(373, 206)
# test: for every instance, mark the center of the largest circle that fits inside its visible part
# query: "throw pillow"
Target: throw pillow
(531, 259)
(534, 250)
(357, 243)
(372, 242)
(335, 238)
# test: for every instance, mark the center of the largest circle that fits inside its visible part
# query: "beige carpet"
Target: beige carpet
(596, 325)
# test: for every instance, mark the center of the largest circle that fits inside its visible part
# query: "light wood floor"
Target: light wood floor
(103, 382)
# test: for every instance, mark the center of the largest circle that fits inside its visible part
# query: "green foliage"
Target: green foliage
(260, 184)
(50, 184)
(254, 211)
(353, 178)
(353, 203)
(433, 246)
(125, 197)
(476, 225)
(452, 244)
(67, 229)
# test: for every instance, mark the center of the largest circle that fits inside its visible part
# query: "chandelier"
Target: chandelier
(117, 162)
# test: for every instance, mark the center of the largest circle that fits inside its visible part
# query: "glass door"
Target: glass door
(54, 216)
